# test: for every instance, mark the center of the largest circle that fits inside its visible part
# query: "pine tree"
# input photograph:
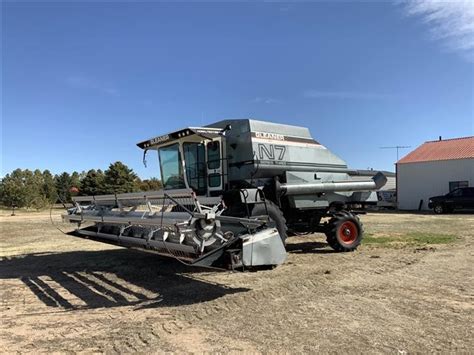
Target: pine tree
(92, 183)
(14, 192)
(23, 188)
(63, 184)
(34, 185)
(152, 184)
(49, 188)
(75, 180)
(119, 178)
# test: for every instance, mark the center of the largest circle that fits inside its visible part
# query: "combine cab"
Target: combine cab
(232, 193)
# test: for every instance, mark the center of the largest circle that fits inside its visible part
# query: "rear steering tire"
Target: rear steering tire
(344, 232)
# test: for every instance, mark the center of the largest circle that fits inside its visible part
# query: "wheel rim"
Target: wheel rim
(348, 232)
(438, 209)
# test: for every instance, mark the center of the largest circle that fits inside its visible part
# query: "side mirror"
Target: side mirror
(225, 129)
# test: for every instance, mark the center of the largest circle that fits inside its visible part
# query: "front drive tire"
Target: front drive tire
(344, 232)
(276, 216)
(438, 209)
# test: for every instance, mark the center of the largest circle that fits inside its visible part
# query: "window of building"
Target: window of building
(453, 185)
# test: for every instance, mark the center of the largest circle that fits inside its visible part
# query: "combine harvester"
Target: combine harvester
(233, 192)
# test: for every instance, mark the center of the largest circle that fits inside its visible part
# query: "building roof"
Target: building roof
(446, 149)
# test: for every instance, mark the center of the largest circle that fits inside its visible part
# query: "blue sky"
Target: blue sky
(82, 83)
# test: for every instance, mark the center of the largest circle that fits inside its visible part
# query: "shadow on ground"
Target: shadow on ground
(110, 278)
(309, 248)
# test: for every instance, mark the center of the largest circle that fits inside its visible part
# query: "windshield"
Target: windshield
(171, 167)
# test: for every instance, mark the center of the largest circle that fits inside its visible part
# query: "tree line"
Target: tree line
(38, 189)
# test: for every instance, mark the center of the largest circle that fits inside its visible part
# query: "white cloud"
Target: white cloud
(317, 94)
(265, 100)
(84, 82)
(449, 21)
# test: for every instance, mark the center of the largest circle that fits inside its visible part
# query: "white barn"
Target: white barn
(434, 168)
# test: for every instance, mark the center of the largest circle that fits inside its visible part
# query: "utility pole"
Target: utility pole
(397, 147)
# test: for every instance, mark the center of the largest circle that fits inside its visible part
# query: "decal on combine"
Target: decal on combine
(271, 151)
(274, 136)
(159, 139)
(267, 137)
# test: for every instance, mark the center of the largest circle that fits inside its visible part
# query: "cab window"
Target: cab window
(195, 165)
(213, 155)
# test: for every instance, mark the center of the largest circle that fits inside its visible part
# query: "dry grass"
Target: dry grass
(408, 240)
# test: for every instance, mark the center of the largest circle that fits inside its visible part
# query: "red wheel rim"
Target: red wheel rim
(348, 232)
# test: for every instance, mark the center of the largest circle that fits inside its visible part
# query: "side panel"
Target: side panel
(257, 149)
(263, 248)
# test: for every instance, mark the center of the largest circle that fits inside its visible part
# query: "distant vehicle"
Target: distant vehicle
(462, 198)
(387, 199)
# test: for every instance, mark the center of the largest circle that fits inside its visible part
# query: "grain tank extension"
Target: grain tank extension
(232, 193)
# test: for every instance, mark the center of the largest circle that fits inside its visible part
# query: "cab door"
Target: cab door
(215, 179)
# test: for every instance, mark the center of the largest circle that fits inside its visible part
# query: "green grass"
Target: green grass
(409, 239)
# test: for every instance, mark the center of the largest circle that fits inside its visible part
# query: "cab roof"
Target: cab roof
(204, 132)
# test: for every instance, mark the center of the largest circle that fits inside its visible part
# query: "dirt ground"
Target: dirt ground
(63, 294)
